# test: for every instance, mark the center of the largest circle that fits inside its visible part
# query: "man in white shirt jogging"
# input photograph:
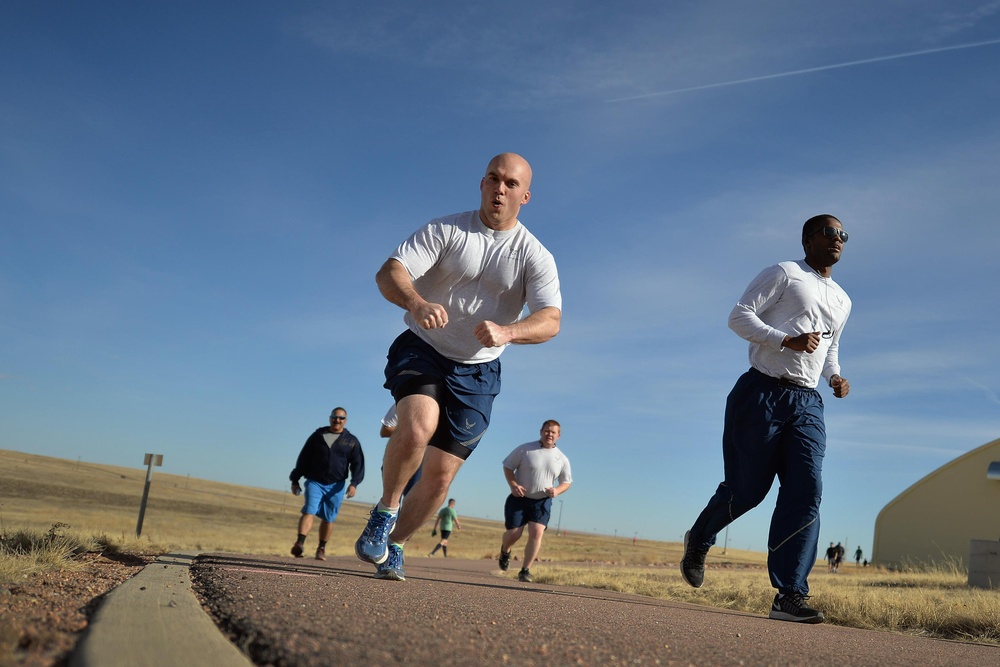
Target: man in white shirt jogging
(464, 281)
(793, 314)
(532, 471)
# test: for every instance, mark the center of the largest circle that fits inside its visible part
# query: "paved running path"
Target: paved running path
(287, 611)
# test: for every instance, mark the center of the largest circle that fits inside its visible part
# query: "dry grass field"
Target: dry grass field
(100, 503)
(194, 514)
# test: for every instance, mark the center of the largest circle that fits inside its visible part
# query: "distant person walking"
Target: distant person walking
(446, 519)
(389, 422)
(840, 552)
(536, 472)
(793, 315)
(857, 556)
(831, 557)
(326, 459)
(464, 281)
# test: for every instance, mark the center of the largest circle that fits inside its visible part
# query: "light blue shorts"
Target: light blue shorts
(323, 500)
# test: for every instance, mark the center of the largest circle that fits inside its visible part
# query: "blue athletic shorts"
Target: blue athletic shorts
(518, 512)
(323, 500)
(465, 392)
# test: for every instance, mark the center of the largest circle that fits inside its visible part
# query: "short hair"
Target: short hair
(451, 500)
(552, 422)
(814, 223)
(334, 411)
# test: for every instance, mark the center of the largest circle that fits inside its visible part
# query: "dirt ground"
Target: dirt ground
(43, 617)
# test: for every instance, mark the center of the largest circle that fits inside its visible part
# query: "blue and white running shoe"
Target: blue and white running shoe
(392, 568)
(372, 546)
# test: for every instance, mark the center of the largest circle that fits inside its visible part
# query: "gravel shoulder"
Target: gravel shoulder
(43, 617)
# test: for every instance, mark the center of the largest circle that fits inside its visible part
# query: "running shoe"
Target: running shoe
(392, 566)
(693, 564)
(372, 546)
(504, 560)
(793, 607)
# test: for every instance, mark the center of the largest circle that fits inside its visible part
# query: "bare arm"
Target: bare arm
(395, 285)
(538, 327)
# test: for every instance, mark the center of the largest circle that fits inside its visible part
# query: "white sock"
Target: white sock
(388, 510)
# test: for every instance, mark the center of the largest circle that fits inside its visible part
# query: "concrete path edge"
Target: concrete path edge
(155, 619)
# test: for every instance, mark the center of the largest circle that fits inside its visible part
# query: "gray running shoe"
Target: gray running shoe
(524, 576)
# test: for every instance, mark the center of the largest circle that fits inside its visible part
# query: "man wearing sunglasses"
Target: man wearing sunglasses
(464, 282)
(792, 314)
(327, 457)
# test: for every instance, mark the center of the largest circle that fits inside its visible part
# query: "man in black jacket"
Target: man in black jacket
(325, 460)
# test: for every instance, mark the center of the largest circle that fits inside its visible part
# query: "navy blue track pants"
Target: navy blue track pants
(772, 429)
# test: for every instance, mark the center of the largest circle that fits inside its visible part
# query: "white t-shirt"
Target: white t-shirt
(537, 468)
(791, 298)
(390, 420)
(477, 274)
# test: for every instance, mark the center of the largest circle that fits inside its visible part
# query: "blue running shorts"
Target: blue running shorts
(323, 500)
(465, 392)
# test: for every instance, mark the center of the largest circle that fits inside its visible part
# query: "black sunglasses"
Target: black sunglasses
(832, 233)
(338, 418)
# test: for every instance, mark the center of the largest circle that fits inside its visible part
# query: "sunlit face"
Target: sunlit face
(504, 190)
(337, 421)
(821, 250)
(550, 434)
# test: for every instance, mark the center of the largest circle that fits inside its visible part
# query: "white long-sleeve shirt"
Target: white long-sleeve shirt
(789, 299)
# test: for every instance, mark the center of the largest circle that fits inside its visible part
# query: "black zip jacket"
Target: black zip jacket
(327, 465)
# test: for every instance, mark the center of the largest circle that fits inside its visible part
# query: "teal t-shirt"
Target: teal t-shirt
(447, 517)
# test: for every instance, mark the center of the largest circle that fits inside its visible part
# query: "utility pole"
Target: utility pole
(150, 460)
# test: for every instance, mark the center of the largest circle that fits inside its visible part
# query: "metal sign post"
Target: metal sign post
(150, 461)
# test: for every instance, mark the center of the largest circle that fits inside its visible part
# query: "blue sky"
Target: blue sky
(194, 200)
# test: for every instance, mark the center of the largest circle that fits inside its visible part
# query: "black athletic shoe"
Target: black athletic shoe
(504, 560)
(693, 564)
(793, 607)
(524, 576)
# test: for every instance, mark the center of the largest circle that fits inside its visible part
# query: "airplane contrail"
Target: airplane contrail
(822, 68)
